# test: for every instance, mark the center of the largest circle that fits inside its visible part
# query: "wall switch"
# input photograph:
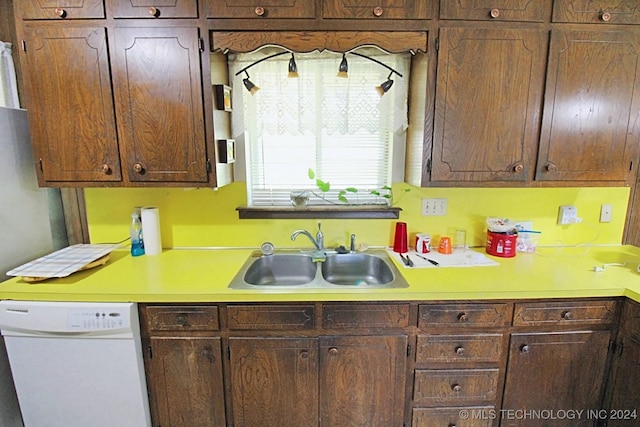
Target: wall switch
(606, 212)
(568, 215)
(434, 207)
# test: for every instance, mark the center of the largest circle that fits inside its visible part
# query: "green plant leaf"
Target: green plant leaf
(374, 192)
(323, 186)
(386, 187)
(351, 189)
(342, 198)
(387, 196)
(311, 173)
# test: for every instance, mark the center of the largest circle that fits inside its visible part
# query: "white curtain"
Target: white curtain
(341, 128)
(8, 84)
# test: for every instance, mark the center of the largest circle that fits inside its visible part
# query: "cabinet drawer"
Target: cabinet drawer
(496, 10)
(60, 9)
(631, 319)
(153, 8)
(597, 11)
(252, 317)
(464, 315)
(564, 313)
(183, 318)
(377, 9)
(478, 416)
(261, 9)
(459, 348)
(455, 387)
(365, 316)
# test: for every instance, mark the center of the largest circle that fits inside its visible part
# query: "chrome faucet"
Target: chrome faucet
(318, 242)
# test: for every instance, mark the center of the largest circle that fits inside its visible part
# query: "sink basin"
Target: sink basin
(281, 270)
(290, 269)
(356, 269)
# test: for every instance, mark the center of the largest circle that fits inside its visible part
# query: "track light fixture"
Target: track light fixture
(293, 67)
(251, 87)
(385, 86)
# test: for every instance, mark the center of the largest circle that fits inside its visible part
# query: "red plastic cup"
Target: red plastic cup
(400, 238)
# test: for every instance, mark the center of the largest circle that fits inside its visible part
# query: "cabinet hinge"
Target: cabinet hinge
(40, 163)
(24, 46)
(620, 349)
(209, 166)
(437, 45)
(630, 165)
(150, 351)
(228, 353)
(429, 165)
(201, 44)
(408, 349)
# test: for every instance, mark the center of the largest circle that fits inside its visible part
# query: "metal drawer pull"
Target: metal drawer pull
(495, 13)
(524, 348)
(153, 11)
(259, 10)
(460, 351)
(566, 315)
(462, 317)
(377, 11)
(456, 388)
(605, 17)
(60, 12)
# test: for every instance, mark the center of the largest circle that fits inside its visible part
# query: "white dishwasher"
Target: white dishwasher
(76, 364)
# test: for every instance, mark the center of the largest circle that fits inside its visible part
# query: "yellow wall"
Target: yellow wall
(206, 217)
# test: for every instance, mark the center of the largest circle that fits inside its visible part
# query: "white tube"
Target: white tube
(151, 231)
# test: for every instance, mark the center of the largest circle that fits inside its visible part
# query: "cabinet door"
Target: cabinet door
(158, 92)
(377, 9)
(274, 381)
(496, 10)
(261, 9)
(60, 9)
(70, 104)
(590, 128)
(185, 382)
(362, 381)
(488, 96)
(153, 8)
(625, 386)
(555, 371)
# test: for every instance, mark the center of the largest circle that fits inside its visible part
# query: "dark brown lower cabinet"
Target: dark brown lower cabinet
(552, 372)
(624, 410)
(323, 381)
(184, 376)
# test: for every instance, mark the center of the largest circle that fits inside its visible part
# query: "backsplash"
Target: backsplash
(204, 217)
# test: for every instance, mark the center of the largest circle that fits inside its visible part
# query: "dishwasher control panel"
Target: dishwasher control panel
(91, 319)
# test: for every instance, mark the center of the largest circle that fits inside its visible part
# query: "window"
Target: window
(339, 128)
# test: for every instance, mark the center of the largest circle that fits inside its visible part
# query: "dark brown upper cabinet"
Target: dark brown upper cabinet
(597, 11)
(159, 104)
(70, 103)
(496, 10)
(153, 8)
(488, 98)
(60, 9)
(590, 128)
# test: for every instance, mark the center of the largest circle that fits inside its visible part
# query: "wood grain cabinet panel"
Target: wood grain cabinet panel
(597, 11)
(496, 10)
(60, 9)
(377, 9)
(630, 323)
(365, 316)
(488, 97)
(274, 381)
(590, 127)
(261, 9)
(464, 315)
(455, 387)
(275, 317)
(182, 318)
(159, 104)
(459, 348)
(625, 384)
(153, 8)
(70, 104)
(555, 371)
(450, 417)
(185, 382)
(564, 313)
(362, 381)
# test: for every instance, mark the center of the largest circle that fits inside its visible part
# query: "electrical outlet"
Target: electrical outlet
(434, 207)
(606, 213)
(568, 215)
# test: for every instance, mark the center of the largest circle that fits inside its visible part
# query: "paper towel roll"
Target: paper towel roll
(151, 231)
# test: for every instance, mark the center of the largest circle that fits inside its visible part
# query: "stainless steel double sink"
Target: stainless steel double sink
(296, 269)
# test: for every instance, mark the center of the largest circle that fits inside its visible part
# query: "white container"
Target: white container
(151, 231)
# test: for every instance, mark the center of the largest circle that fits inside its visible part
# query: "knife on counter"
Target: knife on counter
(429, 259)
(407, 261)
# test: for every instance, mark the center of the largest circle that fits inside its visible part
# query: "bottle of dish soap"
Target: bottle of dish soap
(137, 243)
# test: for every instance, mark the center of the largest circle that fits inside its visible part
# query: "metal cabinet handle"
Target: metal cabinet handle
(462, 317)
(259, 10)
(566, 315)
(105, 169)
(181, 320)
(519, 167)
(456, 388)
(333, 351)
(605, 16)
(138, 168)
(304, 354)
(460, 350)
(377, 11)
(524, 348)
(495, 13)
(60, 12)
(153, 11)
(551, 167)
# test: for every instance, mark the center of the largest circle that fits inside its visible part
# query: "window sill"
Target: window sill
(319, 212)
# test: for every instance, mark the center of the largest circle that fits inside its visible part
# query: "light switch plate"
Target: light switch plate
(434, 207)
(606, 212)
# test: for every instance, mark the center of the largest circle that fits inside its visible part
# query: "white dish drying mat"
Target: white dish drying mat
(459, 258)
(63, 262)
